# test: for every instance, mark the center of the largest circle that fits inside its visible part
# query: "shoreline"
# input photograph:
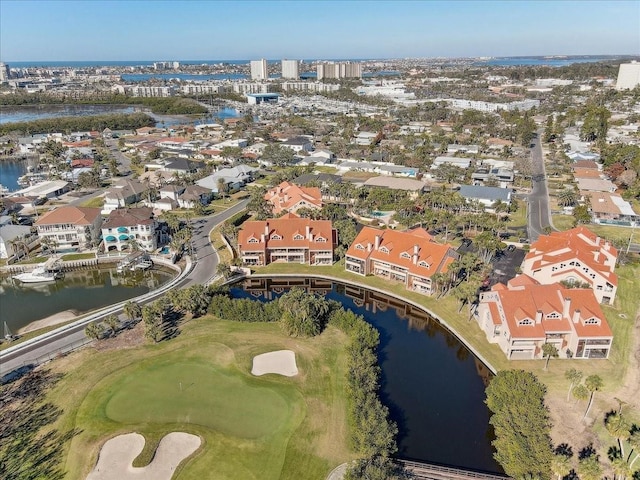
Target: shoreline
(50, 321)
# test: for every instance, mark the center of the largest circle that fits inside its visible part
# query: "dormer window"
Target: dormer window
(526, 321)
(592, 321)
(298, 237)
(423, 264)
(359, 247)
(384, 249)
(552, 316)
(321, 239)
(405, 255)
(253, 240)
(275, 236)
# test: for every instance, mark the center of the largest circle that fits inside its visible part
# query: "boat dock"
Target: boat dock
(135, 261)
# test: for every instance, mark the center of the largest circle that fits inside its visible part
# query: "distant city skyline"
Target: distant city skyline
(167, 30)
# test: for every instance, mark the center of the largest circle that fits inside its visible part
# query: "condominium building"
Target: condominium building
(5, 73)
(288, 197)
(288, 239)
(628, 76)
(290, 69)
(259, 70)
(310, 87)
(411, 257)
(576, 256)
(524, 315)
(333, 70)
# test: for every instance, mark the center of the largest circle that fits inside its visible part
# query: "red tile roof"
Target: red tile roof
(287, 196)
(71, 215)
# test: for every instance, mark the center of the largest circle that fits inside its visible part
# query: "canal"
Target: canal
(433, 385)
(78, 292)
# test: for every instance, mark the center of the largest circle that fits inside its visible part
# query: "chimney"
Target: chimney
(539, 317)
(576, 316)
(368, 247)
(308, 231)
(266, 229)
(414, 258)
(416, 249)
(566, 307)
(597, 241)
(596, 255)
(262, 238)
(377, 240)
(607, 246)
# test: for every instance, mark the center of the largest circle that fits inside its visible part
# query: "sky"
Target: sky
(120, 30)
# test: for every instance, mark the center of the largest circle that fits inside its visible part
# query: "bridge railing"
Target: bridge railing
(449, 472)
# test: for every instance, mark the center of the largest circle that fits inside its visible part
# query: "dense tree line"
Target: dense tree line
(158, 105)
(114, 121)
(522, 424)
(243, 309)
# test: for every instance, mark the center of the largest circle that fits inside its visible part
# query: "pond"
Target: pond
(432, 383)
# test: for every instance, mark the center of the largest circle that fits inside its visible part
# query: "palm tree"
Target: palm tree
(561, 464)
(580, 392)
(549, 350)
(589, 468)
(574, 376)
(132, 310)
(93, 331)
(112, 322)
(567, 197)
(634, 441)
(222, 187)
(593, 384)
(618, 428)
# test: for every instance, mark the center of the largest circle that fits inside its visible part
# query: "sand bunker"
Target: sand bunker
(118, 453)
(282, 362)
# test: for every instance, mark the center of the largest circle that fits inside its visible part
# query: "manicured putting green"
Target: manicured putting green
(199, 394)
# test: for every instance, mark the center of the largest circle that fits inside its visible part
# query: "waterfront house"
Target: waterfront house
(410, 257)
(194, 195)
(524, 315)
(611, 208)
(123, 193)
(577, 256)
(288, 197)
(288, 239)
(10, 235)
(130, 228)
(71, 227)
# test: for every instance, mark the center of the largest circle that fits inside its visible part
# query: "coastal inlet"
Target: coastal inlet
(78, 292)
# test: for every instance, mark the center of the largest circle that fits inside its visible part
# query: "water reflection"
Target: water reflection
(433, 385)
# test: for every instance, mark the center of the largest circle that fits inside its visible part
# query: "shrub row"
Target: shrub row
(243, 310)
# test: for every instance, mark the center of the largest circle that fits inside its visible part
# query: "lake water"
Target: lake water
(433, 385)
(10, 171)
(28, 113)
(80, 291)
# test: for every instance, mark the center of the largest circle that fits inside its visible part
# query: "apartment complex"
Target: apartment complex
(259, 70)
(577, 256)
(70, 227)
(290, 69)
(288, 239)
(410, 257)
(288, 197)
(126, 228)
(524, 315)
(334, 70)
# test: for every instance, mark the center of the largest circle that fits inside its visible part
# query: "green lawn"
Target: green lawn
(77, 256)
(268, 427)
(96, 202)
(618, 235)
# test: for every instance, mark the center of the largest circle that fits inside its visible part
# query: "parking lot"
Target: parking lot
(505, 263)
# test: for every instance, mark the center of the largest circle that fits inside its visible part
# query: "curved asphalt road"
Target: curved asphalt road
(539, 213)
(50, 344)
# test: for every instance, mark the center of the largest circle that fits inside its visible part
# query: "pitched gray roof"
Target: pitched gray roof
(487, 193)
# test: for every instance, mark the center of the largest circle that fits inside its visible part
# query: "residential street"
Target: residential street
(539, 214)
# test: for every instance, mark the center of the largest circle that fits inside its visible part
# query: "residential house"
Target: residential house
(181, 165)
(10, 234)
(298, 144)
(611, 208)
(288, 239)
(71, 227)
(577, 255)
(123, 193)
(410, 257)
(234, 178)
(463, 163)
(414, 187)
(524, 315)
(596, 185)
(456, 148)
(486, 195)
(364, 138)
(130, 228)
(289, 197)
(194, 195)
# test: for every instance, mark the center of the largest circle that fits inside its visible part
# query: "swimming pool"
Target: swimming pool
(379, 214)
(165, 250)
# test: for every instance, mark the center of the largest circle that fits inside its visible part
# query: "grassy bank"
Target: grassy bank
(266, 427)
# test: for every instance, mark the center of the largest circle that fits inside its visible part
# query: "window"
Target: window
(405, 255)
(423, 264)
(553, 269)
(298, 237)
(321, 240)
(592, 321)
(253, 240)
(384, 249)
(553, 316)
(359, 247)
(526, 321)
(276, 237)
